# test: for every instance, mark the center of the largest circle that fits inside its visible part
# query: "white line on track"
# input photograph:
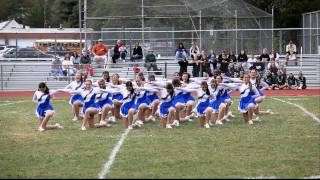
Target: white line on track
(300, 107)
(14, 102)
(107, 166)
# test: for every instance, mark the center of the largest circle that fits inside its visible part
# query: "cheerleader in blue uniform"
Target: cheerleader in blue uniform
(226, 98)
(218, 104)
(116, 98)
(90, 107)
(166, 107)
(104, 102)
(178, 101)
(189, 100)
(142, 103)
(153, 97)
(247, 103)
(128, 107)
(256, 81)
(203, 108)
(76, 100)
(44, 110)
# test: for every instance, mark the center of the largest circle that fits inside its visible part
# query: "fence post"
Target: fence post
(201, 74)
(165, 69)
(1, 77)
(301, 54)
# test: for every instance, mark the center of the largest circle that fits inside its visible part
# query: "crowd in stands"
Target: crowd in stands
(268, 65)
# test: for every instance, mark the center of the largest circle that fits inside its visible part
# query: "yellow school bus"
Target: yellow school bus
(46, 45)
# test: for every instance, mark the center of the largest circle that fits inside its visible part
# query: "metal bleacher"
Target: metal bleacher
(22, 75)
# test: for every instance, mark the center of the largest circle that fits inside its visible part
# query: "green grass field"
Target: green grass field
(284, 145)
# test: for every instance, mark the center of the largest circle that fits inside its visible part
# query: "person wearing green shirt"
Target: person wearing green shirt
(150, 61)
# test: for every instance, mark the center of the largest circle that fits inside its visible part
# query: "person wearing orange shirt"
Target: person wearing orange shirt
(100, 52)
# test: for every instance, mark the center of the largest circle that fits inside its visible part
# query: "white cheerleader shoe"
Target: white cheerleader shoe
(250, 122)
(75, 119)
(58, 126)
(207, 126)
(112, 119)
(103, 123)
(269, 111)
(168, 126)
(151, 119)
(130, 127)
(83, 128)
(219, 122)
(230, 114)
(40, 129)
(210, 123)
(175, 123)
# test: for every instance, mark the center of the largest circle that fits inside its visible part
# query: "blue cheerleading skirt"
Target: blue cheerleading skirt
(201, 107)
(103, 103)
(244, 103)
(76, 98)
(178, 99)
(41, 110)
(125, 107)
(187, 97)
(216, 104)
(89, 105)
(153, 97)
(117, 97)
(164, 108)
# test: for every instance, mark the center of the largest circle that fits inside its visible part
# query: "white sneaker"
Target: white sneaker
(219, 122)
(151, 119)
(130, 127)
(75, 119)
(83, 128)
(58, 126)
(103, 123)
(139, 122)
(227, 119)
(175, 123)
(168, 126)
(112, 119)
(250, 122)
(230, 114)
(269, 111)
(210, 123)
(41, 129)
(192, 115)
(207, 126)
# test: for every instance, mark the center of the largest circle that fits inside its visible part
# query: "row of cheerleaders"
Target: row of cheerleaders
(138, 101)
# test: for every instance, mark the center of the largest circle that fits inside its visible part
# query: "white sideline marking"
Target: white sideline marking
(312, 177)
(15, 102)
(302, 108)
(107, 166)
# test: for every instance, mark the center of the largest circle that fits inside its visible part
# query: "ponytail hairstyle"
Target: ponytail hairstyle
(204, 83)
(117, 75)
(43, 85)
(170, 87)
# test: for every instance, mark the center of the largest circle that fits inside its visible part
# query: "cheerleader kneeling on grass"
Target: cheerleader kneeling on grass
(247, 103)
(44, 110)
(90, 107)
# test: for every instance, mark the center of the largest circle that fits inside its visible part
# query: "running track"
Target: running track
(306, 92)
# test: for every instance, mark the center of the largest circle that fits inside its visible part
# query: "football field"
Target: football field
(284, 145)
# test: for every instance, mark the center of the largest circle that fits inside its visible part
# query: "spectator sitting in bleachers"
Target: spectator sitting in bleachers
(204, 62)
(272, 80)
(56, 67)
(274, 55)
(264, 57)
(302, 83)
(67, 67)
(232, 57)
(238, 68)
(273, 67)
(195, 56)
(230, 70)
(250, 62)
(259, 66)
(213, 60)
(137, 53)
(123, 52)
(75, 59)
(242, 57)
(291, 53)
(292, 81)
(150, 61)
(224, 64)
(100, 52)
(181, 57)
(282, 81)
(283, 69)
(116, 52)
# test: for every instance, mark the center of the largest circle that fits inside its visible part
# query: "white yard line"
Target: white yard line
(300, 107)
(14, 102)
(107, 166)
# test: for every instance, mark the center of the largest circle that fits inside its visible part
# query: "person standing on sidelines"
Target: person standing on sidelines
(44, 110)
